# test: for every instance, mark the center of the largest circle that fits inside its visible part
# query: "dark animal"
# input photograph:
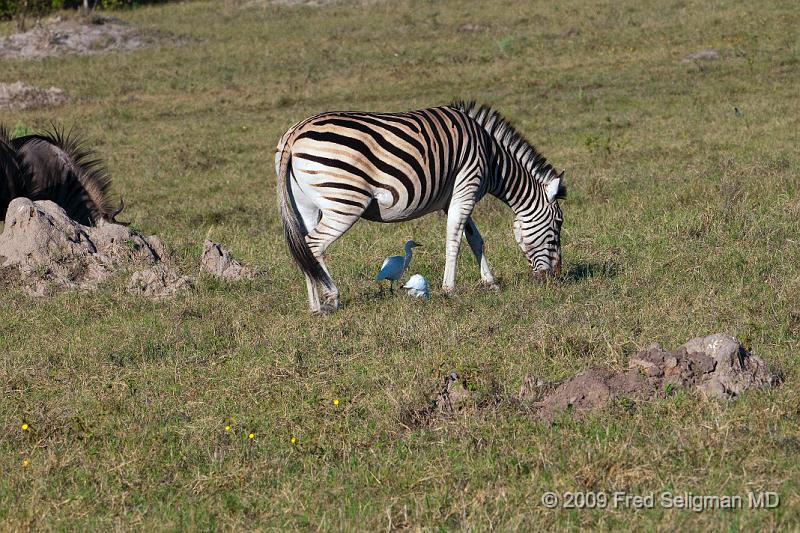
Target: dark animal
(55, 166)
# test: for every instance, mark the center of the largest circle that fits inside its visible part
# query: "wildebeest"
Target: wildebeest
(57, 166)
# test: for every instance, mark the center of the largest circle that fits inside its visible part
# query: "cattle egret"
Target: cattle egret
(417, 287)
(394, 266)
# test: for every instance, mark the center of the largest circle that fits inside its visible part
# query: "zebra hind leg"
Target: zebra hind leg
(313, 295)
(331, 226)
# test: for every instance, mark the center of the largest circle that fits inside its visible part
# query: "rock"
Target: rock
(20, 95)
(734, 369)
(52, 251)
(217, 261)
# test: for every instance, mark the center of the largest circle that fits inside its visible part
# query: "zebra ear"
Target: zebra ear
(552, 188)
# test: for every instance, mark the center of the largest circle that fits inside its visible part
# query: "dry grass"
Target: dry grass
(681, 221)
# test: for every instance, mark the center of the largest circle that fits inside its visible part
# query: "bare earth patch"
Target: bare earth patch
(20, 95)
(52, 252)
(81, 35)
(717, 366)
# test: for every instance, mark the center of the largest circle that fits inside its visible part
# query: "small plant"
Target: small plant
(508, 45)
(626, 404)
(132, 245)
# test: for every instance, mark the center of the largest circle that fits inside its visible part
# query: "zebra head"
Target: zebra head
(537, 228)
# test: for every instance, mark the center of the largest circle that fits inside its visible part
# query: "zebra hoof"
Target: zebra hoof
(491, 285)
(329, 307)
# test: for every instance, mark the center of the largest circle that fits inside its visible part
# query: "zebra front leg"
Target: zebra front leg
(457, 215)
(476, 244)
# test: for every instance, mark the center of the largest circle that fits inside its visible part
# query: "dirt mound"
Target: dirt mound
(81, 35)
(20, 95)
(217, 261)
(51, 252)
(158, 282)
(717, 366)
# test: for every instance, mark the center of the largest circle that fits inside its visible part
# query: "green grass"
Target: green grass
(682, 221)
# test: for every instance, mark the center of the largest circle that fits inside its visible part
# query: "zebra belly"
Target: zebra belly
(376, 212)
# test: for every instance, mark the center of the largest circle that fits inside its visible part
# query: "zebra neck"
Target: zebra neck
(508, 180)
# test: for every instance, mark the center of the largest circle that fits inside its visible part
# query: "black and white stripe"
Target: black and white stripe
(334, 168)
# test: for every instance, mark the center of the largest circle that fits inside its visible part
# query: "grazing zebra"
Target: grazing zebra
(334, 168)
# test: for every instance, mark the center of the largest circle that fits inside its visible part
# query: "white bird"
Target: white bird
(395, 265)
(417, 286)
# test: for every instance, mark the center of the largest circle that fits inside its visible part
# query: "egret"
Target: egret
(395, 265)
(417, 287)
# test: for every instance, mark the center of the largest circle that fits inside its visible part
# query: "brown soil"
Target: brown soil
(81, 35)
(52, 252)
(717, 366)
(20, 95)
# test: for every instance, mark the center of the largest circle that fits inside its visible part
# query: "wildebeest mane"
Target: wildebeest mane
(58, 166)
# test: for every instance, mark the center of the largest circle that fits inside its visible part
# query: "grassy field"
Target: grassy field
(682, 220)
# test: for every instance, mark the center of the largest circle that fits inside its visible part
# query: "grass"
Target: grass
(682, 221)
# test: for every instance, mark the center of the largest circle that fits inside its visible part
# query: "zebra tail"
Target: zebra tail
(293, 227)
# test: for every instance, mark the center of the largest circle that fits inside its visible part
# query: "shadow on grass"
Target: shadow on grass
(584, 270)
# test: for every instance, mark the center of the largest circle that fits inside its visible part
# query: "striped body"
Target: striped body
(402, 165)
(335, 168)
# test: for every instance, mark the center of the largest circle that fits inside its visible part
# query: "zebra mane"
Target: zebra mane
(518, 146)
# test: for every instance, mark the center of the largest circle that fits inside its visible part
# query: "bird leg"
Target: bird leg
(391, 286)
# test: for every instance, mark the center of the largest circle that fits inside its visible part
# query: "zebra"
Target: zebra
(336, 167)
